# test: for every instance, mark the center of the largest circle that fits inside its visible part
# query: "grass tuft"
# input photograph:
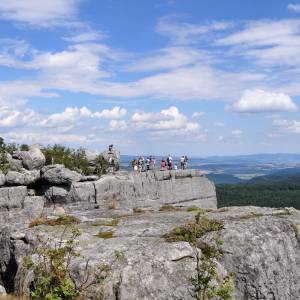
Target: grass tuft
(62, 220)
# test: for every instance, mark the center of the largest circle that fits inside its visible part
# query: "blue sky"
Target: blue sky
(167, 76)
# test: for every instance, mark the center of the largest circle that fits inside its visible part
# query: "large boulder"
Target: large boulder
(33, 159)
(12, 197)
(60, 175)
(22, 178)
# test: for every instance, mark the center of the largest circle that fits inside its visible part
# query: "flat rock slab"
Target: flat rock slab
(261, 248)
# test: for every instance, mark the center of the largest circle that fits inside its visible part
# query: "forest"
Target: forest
(276, 190)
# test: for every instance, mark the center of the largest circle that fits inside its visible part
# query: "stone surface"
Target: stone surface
(12, 197)
(261, 248)
(151, 189)
(33, 159)
(22, 178)
(2, 179)
(57, 194)
(59, 175)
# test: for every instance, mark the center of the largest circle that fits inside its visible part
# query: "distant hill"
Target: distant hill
(224, 178)
(284, 176)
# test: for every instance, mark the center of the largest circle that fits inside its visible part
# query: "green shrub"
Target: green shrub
(53, 278)
(75, 160)
(191, 231)
(206, 283)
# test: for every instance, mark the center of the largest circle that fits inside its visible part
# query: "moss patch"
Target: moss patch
(169, 207)
(62, 220)
(251, 215)
(105, 234)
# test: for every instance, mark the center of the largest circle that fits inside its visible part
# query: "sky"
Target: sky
(196, 77)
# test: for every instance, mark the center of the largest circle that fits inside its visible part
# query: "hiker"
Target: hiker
(182, 162)
(148, 162)
(185, 162)
(163, 165)
(141, 163)
(153, 163)
(133, 164)
(169, 162)
(111, 163)
(110, 148)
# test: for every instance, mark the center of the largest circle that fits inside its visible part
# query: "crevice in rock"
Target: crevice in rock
(117, 288)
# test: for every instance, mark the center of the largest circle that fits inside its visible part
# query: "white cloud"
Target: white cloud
(218, 124)
(170, 58)
(292, 126)
(256, 101)
(165, 120)
(294, 7)
(39, 13)
(49, 138)
(192, 83)
(115, 113)
(87, 36)
(198, 114)
(272, 42)
(73, 114)
(185, 33)
(237, 133)
(118, 125)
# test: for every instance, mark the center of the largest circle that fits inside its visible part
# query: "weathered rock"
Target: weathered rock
(151, 189)
(2, 179)
(260, 248)
(33, 207)
(15, 165)
(12, 197)
(22, 178)
(89, 178)
(33, 159)
(59, 175)
(57, 194)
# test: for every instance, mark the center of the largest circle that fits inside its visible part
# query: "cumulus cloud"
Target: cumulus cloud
(294, 7)
(39, 13)
(165, 120)
(257, 101)
(115, 113)
(72, 114)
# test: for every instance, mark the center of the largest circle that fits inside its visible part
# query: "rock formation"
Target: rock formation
(123, 220)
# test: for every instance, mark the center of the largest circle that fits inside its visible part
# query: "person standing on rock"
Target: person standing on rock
(185, 162)
(182, 162)
(148, 161)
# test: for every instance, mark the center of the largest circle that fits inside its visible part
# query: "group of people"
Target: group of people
(141, 164)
